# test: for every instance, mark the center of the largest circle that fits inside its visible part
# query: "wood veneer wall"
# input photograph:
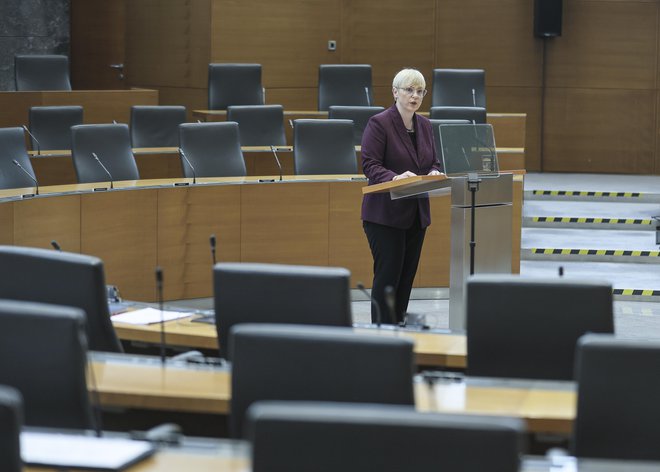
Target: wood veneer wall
(601, 75)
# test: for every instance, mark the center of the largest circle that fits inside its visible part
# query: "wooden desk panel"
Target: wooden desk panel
(39, 221)
(178, 388)
(285, 223)
(187, 216)
(7, 224)
(120, 228)
(100, 106)
(434, 265)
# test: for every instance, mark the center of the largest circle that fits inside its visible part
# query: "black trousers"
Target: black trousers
(396, 254)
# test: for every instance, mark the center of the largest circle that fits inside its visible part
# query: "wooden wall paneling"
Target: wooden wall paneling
(168, 43)
(39, 221)
(348, 243)
(186, 219)
(599, 130)
(390, 36)
(289, 38)
(495, 36)
(98, 34)
(103, 106)
(605, 45)
(434, 265)
(15, 106)
(191, 98)
(519, 100)
(656, 165)
(294, 98)
(120, 228)
(285, 223)
(7, 223)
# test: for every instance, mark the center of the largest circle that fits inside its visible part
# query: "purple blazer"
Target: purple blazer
(387, 150)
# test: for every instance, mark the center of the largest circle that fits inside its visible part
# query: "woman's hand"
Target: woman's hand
(405, 175)
(435, 172)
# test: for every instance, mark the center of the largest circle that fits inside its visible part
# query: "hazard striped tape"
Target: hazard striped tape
(595, 252)
(636, 292)
(617, 221)
(573, 193)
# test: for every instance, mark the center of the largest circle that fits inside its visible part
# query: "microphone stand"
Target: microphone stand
(473, 186)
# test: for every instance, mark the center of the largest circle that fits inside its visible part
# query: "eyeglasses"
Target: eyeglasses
(411, 91)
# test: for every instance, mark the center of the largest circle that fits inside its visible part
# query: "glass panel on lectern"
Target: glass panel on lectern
(468, 148)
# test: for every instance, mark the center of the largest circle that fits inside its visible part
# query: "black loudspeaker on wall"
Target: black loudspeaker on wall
(547, 18)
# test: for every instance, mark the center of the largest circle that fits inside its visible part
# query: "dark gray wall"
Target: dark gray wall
(31, 26)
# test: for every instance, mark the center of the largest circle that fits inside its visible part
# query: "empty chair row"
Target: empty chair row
(340, 84)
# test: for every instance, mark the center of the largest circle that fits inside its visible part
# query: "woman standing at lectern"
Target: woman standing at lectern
(397, 143)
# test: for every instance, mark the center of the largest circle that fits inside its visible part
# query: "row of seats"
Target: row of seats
(241, 84)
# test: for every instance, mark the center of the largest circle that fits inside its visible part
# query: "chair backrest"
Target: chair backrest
(11, 421)
(327, 437)
(323, 147)
(214, 149)
(60, 278)
(459, 88)
(12, 147)
(528, 327)
(43, 354)
(359, 115)
(276, 293)
(435, 125)
(294, 362)
(345, 84)
(476, 115)
(112, 144)
(259, 125)
(41, 72)
(618, 391)
(156, 126)
(234, 84)
(51, 126)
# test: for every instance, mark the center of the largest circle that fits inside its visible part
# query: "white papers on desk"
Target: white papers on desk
(68, 451)
(147, 316)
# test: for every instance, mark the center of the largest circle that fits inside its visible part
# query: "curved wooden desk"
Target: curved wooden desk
(312, 220)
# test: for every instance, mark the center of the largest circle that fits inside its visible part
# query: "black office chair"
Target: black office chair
(235, 84)
(328, 437)
(43, 354)
(214, 150)
(294, 362)
(11, 421)
(60, 278)
(359, 115)
(12, 147)
(459, 88)
(618, 391)
(259, 125)
(345, 84)
(51, 126)
(527, 328)
(156, 126)
(275, 293)
(323, 147)
(112, 145)
(41, 72)
(476, 115)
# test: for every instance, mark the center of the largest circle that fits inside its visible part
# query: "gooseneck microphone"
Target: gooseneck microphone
(185, 158)
(390, 301)
(474, 98)
(159, 289)
(366, 91)
(56, 245)
(36, 184)
(96, 158)
(374, 303)
(279, 166)
(212, 241)
(36, 141)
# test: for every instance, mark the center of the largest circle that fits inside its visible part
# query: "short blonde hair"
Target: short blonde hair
(409, 78)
